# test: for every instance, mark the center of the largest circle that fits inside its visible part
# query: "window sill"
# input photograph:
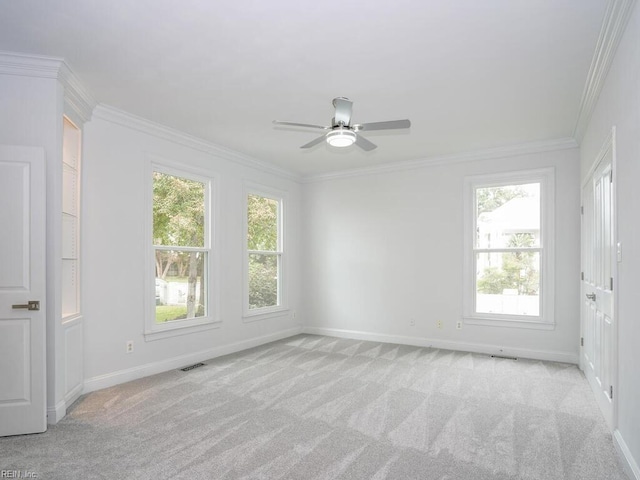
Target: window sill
(511, 322)
(177, 330)
(264, 313)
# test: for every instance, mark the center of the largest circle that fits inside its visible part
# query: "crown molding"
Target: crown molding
(487, 154)
(613, 25)
(125, 119)
(29, 65)
(78, 101)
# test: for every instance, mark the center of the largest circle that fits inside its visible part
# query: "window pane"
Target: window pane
(263, 280)
(181, 285)
(508, 283)
(508, 216)
(178, 211)
(262, 223)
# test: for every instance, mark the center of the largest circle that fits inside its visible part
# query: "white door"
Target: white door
(599, 352)
(22, 282)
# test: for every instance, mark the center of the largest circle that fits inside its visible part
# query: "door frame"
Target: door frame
(609, 144)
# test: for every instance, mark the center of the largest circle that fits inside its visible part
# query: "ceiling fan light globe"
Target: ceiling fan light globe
(341, 138)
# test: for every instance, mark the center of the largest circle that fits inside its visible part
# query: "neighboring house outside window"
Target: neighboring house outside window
(509, 249)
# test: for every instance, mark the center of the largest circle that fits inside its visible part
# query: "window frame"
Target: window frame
(545, 320)
(153, 330)
(248, 314)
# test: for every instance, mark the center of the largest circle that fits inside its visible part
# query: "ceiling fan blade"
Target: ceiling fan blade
(295, 124)
(365, 144)
(344, 108)
(390, 125)
(314, 142)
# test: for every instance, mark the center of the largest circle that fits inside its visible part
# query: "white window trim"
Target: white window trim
(251, 315)
(546, 320)
(153, 330)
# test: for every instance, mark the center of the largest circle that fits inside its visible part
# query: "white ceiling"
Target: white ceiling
(471, 75)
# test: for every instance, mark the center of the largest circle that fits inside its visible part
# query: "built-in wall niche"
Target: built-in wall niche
(71, 144)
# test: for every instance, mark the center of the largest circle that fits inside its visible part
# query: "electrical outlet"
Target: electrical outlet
(130, 346)
(459, 325)
(439, 323)
(412, 322)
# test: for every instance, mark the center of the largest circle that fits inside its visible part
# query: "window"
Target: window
(264, 256)
(180, 249)
(509, 257)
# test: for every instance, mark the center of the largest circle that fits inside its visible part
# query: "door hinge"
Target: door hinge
(581, 275)
(582, 341)
(611, 392)
(611, 176)
(611, 285)
(581, 210)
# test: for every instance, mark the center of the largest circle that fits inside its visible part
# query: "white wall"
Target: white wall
(384, 249)
(114, 250)
(619, 105)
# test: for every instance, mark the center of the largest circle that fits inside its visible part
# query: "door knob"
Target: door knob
(591, 296)
(30, 305)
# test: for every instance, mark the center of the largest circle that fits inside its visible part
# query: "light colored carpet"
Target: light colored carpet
(320, 408)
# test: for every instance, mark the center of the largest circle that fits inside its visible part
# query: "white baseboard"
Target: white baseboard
(628, 462)
(73, 394)
(447, 345)
(56, 412)
(122, 376)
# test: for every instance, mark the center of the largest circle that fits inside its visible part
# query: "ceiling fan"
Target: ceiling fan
(342, 133)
